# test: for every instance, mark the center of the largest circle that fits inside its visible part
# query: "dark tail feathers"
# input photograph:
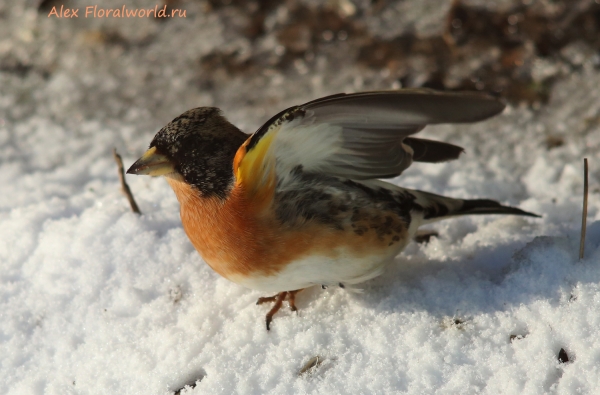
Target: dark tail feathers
(437, 207)
(486, 206)
(432, 151)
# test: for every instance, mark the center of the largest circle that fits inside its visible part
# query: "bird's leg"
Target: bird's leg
(292, 300)
(424, 236)
(278, 299)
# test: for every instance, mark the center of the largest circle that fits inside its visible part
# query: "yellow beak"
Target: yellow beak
(152, 164)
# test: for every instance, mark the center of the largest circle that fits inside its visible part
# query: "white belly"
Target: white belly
(318, 270)
(344, 268)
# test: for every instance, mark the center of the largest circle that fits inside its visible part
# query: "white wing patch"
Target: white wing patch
(309, 145)
(336, 150)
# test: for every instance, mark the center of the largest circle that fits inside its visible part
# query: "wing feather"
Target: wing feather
(357, 136)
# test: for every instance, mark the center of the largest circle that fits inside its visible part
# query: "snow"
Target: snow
(97, 300)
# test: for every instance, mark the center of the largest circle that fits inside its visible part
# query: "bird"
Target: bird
(303, 201)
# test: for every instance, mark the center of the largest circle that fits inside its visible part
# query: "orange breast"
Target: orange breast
(237, 237)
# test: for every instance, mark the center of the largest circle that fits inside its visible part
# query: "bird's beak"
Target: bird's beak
(152, 164)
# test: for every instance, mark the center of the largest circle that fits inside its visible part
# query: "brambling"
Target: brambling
(299, 202)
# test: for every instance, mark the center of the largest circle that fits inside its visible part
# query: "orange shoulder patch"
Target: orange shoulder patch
(254, 170)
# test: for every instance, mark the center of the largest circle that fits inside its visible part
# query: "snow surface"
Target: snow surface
(97, 300)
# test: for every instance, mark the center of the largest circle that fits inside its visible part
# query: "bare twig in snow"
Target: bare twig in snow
(124, 186)
(584, 214)
(311, 365)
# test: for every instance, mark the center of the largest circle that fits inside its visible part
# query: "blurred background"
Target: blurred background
(252, 58)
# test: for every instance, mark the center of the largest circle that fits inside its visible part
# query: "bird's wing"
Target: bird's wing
(357, 136)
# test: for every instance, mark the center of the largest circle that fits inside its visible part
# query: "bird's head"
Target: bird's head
(198, 148)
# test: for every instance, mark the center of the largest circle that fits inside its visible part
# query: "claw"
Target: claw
(278, 299)
(292, 302)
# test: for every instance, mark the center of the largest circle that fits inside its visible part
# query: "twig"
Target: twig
(311, 365)
(124, 186)
(584, 214)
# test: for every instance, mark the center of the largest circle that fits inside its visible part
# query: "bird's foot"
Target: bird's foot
(278, 300)
(424, 236)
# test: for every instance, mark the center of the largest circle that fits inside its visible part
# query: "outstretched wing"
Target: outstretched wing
(357, 136)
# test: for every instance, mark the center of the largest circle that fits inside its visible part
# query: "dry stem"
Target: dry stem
(584, 214)
(124, 186)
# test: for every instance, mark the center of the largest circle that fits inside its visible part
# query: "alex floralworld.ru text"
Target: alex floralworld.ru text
(123, 12)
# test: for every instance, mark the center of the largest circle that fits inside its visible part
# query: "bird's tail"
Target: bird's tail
(436, 207)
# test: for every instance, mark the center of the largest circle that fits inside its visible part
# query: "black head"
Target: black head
(199, 145)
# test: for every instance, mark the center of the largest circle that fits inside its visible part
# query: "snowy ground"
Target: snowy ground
(97, 300)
